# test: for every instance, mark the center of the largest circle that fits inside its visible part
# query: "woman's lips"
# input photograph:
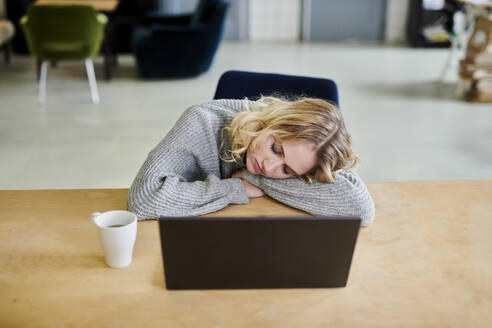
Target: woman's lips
(258, 168)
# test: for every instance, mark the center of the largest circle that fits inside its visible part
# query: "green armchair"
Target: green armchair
(64, 32)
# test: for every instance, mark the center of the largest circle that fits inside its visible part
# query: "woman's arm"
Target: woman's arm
(181, 176)
(160, 190)
(251, 190)
(348, 196)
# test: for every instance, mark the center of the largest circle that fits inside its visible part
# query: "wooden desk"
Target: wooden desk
(101, 5)
(425, 262)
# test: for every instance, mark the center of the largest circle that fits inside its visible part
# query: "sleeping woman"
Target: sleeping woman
(228, 151)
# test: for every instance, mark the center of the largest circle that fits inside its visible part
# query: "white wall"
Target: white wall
(274, 20)
(271, 20)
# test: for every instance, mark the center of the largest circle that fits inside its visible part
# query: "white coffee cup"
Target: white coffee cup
(117, 232)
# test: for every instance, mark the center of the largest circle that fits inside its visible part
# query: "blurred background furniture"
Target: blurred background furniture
(476, 67)
(99, 5)
(126, 16)
(107, 7)
(15, 9)
(79, 39)
(180, 46)
(240, 84)
(430, 23)
(463, 25)
(7, 32)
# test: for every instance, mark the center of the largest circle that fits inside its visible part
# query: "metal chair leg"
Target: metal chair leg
(42, 82)
(89, 65)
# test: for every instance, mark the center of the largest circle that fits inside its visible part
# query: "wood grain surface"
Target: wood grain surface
(474, 3)
(102, 5)
(425, 262)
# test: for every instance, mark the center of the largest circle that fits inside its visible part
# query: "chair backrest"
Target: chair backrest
(209, 10)
(62, 28)
(240, 84)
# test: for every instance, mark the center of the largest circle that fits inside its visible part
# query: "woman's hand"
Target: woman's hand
(251, 190)
(238, 174)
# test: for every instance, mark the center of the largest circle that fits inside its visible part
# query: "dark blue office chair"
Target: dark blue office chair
(240, 84)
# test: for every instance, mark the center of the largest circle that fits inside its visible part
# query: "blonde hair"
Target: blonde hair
(316, 121)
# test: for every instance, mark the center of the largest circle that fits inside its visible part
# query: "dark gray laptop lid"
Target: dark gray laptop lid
(252, 252)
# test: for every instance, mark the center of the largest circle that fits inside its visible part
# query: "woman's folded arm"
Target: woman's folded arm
(153, 196)
(347, 196)
(181, 175)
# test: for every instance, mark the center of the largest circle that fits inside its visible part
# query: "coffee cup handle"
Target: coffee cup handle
(94, 216)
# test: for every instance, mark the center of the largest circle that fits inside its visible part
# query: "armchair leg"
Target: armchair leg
(92, 80)
(42, 82)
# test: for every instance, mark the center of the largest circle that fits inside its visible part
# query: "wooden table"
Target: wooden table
(425, 262)
(100, 5)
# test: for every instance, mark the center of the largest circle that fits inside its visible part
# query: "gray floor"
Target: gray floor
(405, 125)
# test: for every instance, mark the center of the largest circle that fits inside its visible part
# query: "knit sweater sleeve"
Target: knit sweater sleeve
(347, 196)
(181, 176)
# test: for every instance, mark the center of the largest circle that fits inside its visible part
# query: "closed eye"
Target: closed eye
(286, 171)
(275, 150)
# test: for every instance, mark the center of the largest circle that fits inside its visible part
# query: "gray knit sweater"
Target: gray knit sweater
(183, 175)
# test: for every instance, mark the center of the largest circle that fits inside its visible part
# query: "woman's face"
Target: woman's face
(273, 160)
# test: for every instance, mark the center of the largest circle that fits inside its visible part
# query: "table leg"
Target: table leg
(108, 52)
(7, 52)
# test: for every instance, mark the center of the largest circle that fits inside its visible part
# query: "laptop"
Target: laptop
(257, 252)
